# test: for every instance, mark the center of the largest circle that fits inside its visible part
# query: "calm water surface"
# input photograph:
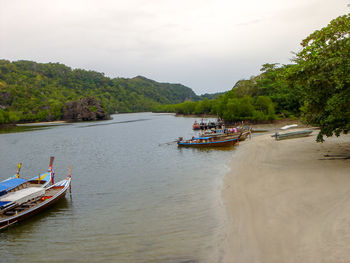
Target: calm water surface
(135, 197)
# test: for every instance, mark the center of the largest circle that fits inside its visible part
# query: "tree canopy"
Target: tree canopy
(323, 70)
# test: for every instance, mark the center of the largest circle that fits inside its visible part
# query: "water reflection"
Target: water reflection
(14, 128)
(57, 210)
(208, 149)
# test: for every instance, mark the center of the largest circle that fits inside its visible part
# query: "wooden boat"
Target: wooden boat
(14, 182)
(196, 126)
(19, 211)
(18, 190)
(208, 142)
(245, 134)
(10, 184)
(204, 126)
(213, 133)
(290, 135)
(242, 134)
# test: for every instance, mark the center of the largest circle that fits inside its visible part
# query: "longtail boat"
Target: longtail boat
(14, 182)
(241, 134)
(245, 134)
(290, 135)
(34, 203)
(208, 141)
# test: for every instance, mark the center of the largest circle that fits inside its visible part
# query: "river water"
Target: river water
(135, 197)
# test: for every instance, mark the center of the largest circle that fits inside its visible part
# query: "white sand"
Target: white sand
(43, 123)
(285, 204)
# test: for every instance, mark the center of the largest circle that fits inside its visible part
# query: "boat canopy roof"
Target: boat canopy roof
(11, 183)
(43, 177)
(201, 138)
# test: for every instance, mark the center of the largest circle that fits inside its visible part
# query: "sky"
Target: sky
(207, 45)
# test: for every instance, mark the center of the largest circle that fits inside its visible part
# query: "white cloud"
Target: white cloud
(205, 44)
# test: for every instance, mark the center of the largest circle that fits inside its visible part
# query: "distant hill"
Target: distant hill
(161, 92)
(31, 91)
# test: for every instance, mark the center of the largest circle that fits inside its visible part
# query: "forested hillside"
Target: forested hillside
(31, 91)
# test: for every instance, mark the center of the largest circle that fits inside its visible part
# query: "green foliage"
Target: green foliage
(32, 91)
(3, 118)
(229, 107)
(13, 117)
(277, 83)
(211, 96)
(323, 71)
(246, 87)
(93, 108)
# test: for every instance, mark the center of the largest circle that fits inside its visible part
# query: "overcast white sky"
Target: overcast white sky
(207, 45)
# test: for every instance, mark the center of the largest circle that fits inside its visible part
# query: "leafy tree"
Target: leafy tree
(246, 87)
(265, 105)
(323, 70)
(2, 117)
(13, 117)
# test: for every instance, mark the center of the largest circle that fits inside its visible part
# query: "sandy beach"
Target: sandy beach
(42, 123)
(288, 201)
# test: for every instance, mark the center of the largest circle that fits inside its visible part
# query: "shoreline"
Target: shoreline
(288, 201)
(42, 123)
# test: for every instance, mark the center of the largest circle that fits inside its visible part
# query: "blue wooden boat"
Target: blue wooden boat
(19, 211)
(13, 184)
(10, 184)
(15, 181)
(26, 188)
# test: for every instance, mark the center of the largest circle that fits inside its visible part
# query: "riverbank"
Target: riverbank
(42, 123)
(21, 127)
(288, 201)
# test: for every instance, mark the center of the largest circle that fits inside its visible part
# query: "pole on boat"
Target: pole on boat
(70, 176)
(19, 165)
(52, 175)
(38, 178)
(52, 158)
(70, 171)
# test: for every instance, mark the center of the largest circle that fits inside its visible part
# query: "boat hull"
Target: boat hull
(292, 135)
(4, 223)
(223, 143)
